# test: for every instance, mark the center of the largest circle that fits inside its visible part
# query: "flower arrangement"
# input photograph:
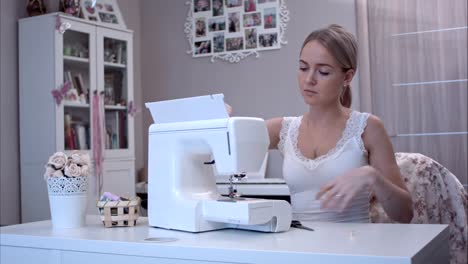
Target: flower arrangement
(60, 165)
(67, 187)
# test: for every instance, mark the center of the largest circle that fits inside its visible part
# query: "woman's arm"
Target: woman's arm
(386, 181)
(382, 176)
(274, 128)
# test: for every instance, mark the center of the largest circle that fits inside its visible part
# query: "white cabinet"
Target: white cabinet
(95, 65)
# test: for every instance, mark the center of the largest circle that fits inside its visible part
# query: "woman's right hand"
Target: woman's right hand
(228, 109)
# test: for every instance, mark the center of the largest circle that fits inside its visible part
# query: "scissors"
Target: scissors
(297, 224)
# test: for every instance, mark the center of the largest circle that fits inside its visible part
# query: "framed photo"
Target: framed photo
(234, 29)
(103, 11)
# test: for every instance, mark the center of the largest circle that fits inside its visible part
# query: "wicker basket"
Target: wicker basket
(119, 213)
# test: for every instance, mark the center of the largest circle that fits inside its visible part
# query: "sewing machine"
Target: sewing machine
(191, 141)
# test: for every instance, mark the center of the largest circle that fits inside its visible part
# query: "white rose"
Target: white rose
(72, 169)
(58, 173)
(58, 160)
(85, 171)
(49, 172)
(80, 159)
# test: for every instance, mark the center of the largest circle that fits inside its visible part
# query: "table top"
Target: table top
(350, 242)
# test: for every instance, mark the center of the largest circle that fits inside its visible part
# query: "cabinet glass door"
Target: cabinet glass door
(114, 81)
(115, 75)
(115, 94)
(76, 102)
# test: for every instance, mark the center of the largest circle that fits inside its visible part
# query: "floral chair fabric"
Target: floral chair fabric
(438, 198)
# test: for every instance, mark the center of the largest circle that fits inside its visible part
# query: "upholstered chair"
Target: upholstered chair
(438, 198)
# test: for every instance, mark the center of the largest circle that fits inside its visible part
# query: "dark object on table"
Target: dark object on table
(144, 200)
(298, 224)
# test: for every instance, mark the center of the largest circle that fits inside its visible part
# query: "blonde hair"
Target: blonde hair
(343, 47)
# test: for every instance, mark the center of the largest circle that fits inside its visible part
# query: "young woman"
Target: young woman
(334, 157)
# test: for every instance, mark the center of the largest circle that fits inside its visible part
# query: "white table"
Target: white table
(330, 243)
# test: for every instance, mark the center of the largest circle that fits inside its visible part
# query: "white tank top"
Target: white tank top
(306, 176)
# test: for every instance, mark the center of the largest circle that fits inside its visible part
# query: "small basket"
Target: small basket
(119, 213)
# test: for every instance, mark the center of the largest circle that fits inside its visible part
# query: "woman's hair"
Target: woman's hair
(343, 47)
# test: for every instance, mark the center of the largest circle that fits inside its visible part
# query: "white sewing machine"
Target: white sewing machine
(191, 140)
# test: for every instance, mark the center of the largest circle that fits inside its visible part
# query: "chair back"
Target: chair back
(438, 198)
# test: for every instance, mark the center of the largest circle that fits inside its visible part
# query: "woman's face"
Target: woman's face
(320, 78)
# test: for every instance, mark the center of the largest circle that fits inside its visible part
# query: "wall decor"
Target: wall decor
(103, 11)
(35, 7)
(71, 7)
(232, 30)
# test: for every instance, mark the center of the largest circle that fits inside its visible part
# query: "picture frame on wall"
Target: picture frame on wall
(235, 29)
(103, 11)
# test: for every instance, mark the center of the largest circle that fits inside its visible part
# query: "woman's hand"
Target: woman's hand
(339, 193)
(228, 109)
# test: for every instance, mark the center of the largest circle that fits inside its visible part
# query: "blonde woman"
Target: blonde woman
(335, 157)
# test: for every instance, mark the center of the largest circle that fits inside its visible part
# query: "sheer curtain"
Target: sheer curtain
(413, 75)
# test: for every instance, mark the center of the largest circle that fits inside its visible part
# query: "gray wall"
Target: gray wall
(131, 12)
(264, 87)
(10, 11)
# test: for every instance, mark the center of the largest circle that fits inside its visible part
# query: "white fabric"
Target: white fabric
(305, 176)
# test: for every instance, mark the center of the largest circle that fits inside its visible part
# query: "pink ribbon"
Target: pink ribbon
(97, 139)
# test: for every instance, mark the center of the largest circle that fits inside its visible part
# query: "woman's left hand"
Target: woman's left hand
(338, 193)
(228, 109)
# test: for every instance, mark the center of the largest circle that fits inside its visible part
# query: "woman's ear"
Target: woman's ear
(349, 74)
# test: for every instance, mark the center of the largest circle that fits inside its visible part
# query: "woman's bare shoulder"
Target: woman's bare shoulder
(274, 128)
(375, 131)
(275, 124)
(374, 125)
(276, 121)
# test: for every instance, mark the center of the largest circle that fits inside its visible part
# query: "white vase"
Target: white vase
(68, 201)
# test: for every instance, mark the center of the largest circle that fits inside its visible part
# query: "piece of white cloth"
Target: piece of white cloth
(306, 176)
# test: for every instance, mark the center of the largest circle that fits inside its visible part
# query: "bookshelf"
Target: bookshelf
(94, 60)
(114, 65)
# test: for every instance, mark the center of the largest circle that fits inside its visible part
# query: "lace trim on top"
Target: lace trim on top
(362, 125)
(354, 128)
(284, 133)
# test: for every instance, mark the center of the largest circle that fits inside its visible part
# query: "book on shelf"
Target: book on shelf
(116, 135)
(76, 80)
(107, 141)
(76, 133)
(67, 131)
(115, 141)
(119, 50)
(118, 86)
(122, 128)
(84, 86)
(73, 140)
(112, 128)
(67, 77)
(78, 83)
(81, 137)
